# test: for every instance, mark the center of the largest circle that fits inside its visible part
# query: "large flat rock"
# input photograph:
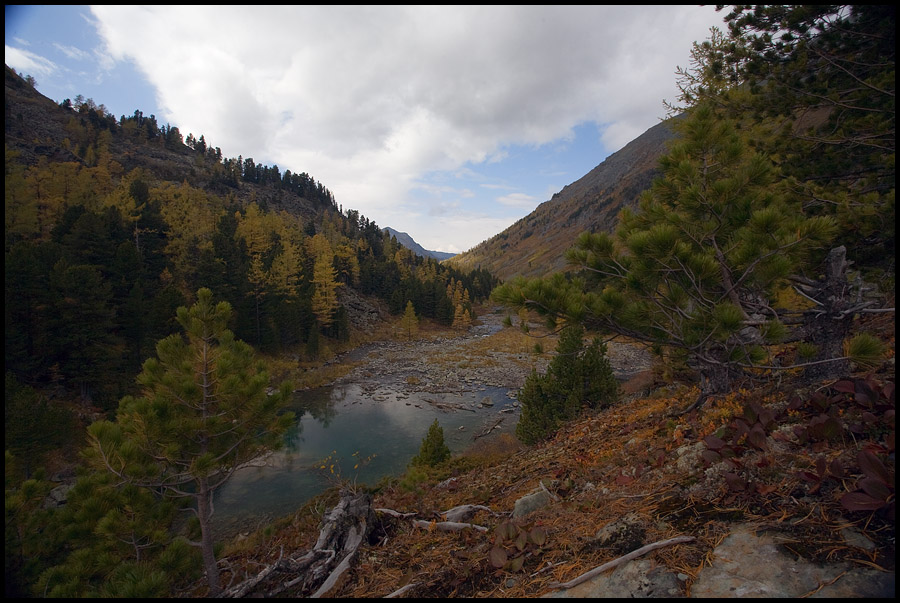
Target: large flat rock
(751, 564)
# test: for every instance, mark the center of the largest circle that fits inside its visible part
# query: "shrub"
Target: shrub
(433, 450)
(576, 377)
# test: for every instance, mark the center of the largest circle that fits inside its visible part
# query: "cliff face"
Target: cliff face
(535, 245)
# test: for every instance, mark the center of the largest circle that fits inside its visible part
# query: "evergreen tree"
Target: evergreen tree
(698, 267)
(433, 450)
(204, 412)
(32, 426)
(820, 79)
(117, 541)
(576, 377)
(409, 324)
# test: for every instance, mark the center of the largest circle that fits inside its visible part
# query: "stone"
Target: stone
(57, 497)
(531, 502)
(747, 564)
(622, 535)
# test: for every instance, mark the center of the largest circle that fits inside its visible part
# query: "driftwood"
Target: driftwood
(447, 526)
(343, 530)
(489, 429)
(615, 562)
(455, 518)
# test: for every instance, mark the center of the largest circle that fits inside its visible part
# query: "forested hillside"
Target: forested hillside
(112, 224)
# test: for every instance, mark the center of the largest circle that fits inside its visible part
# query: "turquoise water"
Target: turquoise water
(342, 421)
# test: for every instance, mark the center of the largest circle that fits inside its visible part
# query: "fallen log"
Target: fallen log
(447, 526)
(448, 405)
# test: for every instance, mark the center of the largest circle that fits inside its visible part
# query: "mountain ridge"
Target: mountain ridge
(536, 244)
(407, 241)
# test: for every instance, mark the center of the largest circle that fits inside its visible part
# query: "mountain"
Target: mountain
(408, 242)
(535, 245)
(114, 223)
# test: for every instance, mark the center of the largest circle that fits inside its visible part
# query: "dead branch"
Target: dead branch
(489, 429)
(447, 526)
(463, 512)
(615, 562)
(402, 590)
(454, 517)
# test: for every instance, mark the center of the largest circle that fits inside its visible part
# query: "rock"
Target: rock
(57, 497)
(623, 535)
(531, 502)
(689, 459)
(486, 401)
(747, 564)
(854, 538)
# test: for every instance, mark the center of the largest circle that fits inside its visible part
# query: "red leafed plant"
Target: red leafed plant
(875, 489)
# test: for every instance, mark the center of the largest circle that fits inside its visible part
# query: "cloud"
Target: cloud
(368, 99)
(518, 200)
(72, 52)
(27, 62)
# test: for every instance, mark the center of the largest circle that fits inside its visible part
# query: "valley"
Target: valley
(381, 407)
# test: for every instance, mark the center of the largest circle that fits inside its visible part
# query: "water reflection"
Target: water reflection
(348, 422)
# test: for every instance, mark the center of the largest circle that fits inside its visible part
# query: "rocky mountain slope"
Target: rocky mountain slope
(407, 241)
(535, 245)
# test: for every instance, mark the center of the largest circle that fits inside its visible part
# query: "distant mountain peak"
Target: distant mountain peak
(408, 242)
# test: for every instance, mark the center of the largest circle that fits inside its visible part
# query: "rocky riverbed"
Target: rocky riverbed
(487, 355)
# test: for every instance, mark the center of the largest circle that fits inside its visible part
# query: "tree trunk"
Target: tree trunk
(826, 326)
(204, 514)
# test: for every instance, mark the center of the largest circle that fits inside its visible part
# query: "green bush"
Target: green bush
(576, 377)
(433, 450)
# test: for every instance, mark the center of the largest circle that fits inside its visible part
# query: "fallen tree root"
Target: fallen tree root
(615, 562)
(343, 530)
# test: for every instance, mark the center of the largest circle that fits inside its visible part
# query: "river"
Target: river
(376, 417)
(382, 409)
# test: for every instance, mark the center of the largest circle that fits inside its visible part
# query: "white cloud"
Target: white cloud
(72, 52)
(518, 200)
(370, 99)
(27, 62)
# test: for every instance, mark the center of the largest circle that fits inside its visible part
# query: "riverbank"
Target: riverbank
(489, 354)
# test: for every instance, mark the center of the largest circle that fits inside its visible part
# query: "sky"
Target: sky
(449, 123)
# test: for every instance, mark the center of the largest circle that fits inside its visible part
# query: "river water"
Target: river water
(347, 423)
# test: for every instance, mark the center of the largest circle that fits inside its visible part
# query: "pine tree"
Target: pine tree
(433, 450)
(820, 81)
(576, 377)
(698, 266)
(204, 413)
